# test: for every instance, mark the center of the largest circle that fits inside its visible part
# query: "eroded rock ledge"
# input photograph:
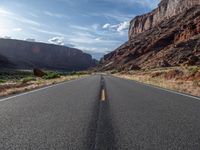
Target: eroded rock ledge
(173, 41)
(165, 10)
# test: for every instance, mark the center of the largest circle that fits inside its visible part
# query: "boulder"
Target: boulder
(38, 72)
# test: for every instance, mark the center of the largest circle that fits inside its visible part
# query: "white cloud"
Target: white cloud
(47, 32)
(118, 27)
(106, 26)
(90, 28)
(17, 29)
(114, 15)
(146, 3)
(57, 40)
(30, 40)
(7, 37)
(123, 26)
(95, 26)
(10, 15)
(33, 15)
(57, 15)
(80, 27)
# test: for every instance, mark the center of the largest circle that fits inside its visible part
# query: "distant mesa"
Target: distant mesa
(5, 63)
(167, 36)
(28, 55)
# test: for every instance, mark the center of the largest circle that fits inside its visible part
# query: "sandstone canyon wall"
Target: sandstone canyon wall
(167, 36)
(166, 9)
(28, 55)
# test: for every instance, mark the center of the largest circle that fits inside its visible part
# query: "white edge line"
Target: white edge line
(40, 89)
(156, 87)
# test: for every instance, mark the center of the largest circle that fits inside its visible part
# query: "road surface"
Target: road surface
(100, 113)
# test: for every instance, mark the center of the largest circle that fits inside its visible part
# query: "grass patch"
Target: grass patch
(196, 83)
(51, 75)
(21, 81)
(178, 78)
(2, 81)
(75, 73)
(114, 71)
(28, 79)
(193, 70)
(14, 75)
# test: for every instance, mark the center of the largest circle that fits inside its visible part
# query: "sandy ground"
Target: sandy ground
(10, 88)
(186, 80)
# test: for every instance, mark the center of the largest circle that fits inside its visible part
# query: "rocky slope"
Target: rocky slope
(171, 41)
(29, 55)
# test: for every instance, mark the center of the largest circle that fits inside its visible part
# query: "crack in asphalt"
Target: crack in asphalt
(104, 133)
(100, 131)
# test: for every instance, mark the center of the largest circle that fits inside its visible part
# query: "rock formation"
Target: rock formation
(29, 55)
(168, 36)
(38, 72)
(166, 9)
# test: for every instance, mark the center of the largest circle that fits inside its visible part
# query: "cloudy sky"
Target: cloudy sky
(97, 26)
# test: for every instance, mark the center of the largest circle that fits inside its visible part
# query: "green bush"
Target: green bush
(51, 75)
(114, 72)
(193, 70)
(2, 81)
(28, 79)
(15, 75)
(78, 73)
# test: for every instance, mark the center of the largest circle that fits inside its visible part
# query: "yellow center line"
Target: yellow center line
(103, 95)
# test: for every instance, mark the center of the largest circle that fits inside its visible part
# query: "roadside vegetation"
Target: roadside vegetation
(52, 75)
(182, 79)
(12, 82)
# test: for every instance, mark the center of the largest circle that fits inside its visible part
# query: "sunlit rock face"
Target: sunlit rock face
(165, 10)
(167, 36)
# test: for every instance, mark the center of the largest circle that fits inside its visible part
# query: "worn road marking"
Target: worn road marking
(103, 95)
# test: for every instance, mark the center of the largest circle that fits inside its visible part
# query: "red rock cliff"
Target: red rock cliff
(158, 42)
(165, 10)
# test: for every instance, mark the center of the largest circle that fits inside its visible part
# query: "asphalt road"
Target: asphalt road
(73, 116)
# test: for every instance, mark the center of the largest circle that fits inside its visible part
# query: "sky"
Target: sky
(94, 26)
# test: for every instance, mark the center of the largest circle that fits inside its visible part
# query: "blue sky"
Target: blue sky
(97, 26)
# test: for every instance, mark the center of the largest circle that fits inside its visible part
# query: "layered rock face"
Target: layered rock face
(165, 10)
(29, 55)
(171, 42)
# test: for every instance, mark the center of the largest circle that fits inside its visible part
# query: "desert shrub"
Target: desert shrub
(73, 73)
(51, 75)
(156, 74)
(193, 70)
(114, 72)
(173, 74)
(2, 81)
(196, 83)
(78, 73)
(15, 75)
(28, 79)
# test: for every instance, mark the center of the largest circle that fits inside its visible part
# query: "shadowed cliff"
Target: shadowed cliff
(29, 55)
